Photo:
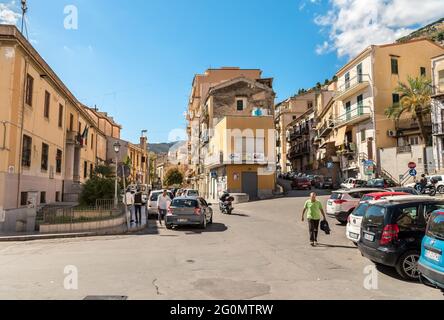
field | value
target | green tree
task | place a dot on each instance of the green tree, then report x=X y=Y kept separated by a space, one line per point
x=97 y=188
x=415 y=99
x=174 y=177
x=104 y=171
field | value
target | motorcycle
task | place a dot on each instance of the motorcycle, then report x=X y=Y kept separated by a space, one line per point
x=429 y=189
x=226 y=207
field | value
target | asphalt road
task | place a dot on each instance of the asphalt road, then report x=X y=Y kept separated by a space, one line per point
x=260 y=252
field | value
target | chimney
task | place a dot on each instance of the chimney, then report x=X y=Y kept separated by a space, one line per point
x=144 y=143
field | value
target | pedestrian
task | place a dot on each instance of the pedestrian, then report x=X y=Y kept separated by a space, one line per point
x=163 y=202
x=313 y=209
x=138 y=203
x=129 y=202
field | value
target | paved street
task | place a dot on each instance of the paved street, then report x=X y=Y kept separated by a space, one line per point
x=260 y=252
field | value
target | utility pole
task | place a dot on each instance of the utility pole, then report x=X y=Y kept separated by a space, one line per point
x=24 y=10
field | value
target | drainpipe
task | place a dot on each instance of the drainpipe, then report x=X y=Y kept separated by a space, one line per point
x=21 y=134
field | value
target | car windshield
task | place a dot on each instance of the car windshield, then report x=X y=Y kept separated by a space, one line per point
x=367 y=198
x=375 y=182
x=375 y=215
x=192 y=193
x=184 y=203
x=154 y=196
x=303 y=180
x=336 y=196
x=436 y=226
x=360 y=210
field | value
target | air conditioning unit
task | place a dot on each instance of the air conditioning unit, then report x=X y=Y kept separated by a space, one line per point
x=392 y=133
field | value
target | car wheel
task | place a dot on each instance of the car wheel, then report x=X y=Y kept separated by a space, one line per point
x=407 y=266
x=169 y=226
x=343 y=223
x=441 y=189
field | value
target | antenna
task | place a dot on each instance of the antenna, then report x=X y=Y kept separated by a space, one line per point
x=24 y=10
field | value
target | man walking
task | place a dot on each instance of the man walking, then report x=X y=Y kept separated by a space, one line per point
x=129 y=203
x=163 y=202
x=313 y=209
x=138 y=203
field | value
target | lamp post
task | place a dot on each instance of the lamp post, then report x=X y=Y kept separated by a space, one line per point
x=116 y=150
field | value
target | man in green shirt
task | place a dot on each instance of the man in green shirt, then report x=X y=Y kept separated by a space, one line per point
x=313 y=209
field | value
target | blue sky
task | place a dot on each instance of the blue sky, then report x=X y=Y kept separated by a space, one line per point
x=136 y=59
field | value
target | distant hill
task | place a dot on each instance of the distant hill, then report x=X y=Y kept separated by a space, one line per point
x=433 y=31
x=160 y=147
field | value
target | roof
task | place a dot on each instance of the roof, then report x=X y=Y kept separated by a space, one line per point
x=386 y=194
x=410 y=198
x=358 y=190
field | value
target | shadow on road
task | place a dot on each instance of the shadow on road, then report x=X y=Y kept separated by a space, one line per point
x=215 y=227
x=240 y=215
x=336 y=246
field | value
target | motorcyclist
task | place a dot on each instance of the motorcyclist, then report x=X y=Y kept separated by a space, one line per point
x=224 y=199
x=423 y=182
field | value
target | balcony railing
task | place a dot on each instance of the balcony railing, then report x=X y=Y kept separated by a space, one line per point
x=326 y=128
x=404 y=149
x=438 y=129
x=355 y=115
x=352 y=85
x=410 y=124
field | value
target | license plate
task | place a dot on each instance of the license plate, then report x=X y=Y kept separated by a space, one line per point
x=354 y=235
x=433 y=256
x=182 y=220
x=369 y=237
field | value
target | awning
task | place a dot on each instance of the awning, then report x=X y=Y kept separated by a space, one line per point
x=340 y=138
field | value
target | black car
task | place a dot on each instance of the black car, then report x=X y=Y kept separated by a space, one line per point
x=392 y=232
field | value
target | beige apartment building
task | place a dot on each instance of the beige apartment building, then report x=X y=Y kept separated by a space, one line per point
x=285 y=113
x=438 y=112
x=366 y=87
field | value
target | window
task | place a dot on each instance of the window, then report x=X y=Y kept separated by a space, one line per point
x=310 y=104
x=26 y=151
x=423 y=72
x=441 y=80
x=71 y=122
x=59 y=158
x=29 y=89
x=85 y=169
x=294 y=118
x=395 y=98
x=91 y=169
x=45 y=153
x=347 y=80
x=80 y=128
x=414 y=141
x=395 y=67
x=47 y=103
x=359 y=72
x=240 y=104
x=92 y=141
x=408 y=218
x=363 y=135
x=60 y=116
x=430 y=208
x=23 y=198
x=42 y=197
x=57 y=196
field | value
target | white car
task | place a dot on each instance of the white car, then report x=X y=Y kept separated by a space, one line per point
x=342 y=202
x=353 y=183
x=152 y=201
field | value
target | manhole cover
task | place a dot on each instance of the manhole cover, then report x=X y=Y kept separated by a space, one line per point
x=108 y=298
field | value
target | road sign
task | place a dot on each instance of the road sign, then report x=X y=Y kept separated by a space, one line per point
x=369 y=167
x=412 y=165
x=413 y=173
x=330 y=165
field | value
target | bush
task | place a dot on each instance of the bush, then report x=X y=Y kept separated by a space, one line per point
x=174 y=177
x=97 y=188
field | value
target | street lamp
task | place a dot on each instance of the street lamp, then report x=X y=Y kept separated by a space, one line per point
x=116 y=150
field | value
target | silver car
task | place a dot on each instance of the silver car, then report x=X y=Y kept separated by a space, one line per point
x=189 y=211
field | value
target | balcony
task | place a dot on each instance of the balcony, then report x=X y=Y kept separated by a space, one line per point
x=74 y=138
x=438 y=129
x=352 y=87
x=298 y=151
x=326 y=128
x=347 y=149
x=354 y=116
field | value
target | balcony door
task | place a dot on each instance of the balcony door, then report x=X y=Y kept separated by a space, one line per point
x=347 y=81
x=359 y=72
x=348 y=111
x=360 y=105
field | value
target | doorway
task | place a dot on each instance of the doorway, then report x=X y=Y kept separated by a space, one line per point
x=250 y=184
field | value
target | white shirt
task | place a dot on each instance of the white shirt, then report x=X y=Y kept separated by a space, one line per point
x=163 y=202
x=129 y=199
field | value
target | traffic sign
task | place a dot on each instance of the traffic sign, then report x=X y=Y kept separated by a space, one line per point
x=412 y=165
x=330 y=165
x=413 y=173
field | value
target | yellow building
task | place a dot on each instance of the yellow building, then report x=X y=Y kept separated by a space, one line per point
x=438 y=111
x=238 y=139
x=366 y=87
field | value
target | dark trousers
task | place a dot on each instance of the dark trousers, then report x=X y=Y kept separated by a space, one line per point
x=314 y=229
x=138 y=213
x=162 y=214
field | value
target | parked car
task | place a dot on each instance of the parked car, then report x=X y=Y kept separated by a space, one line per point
x=342 y=202
x=353 y=231
x=301 y=184
x=311 y=178
x=325 y=183
x=392 y=232
x=353 y=183
x=189 y=211
x=411 y=191
x=431 y=263
x=152 y=201
x=190 y=193
x=381 y=183
x=440 y=182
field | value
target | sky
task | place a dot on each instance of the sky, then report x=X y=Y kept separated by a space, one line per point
x=136 y=59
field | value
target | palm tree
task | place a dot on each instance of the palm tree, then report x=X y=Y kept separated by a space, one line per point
x=415 y=99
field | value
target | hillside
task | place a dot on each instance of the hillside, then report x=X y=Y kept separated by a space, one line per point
x=433 y=31
x=160 y=147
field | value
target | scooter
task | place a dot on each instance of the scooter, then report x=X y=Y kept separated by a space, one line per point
x=429 y=189
x=226 y=207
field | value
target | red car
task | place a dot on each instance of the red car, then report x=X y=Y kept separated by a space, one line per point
x=301 y=184
x=380 y=195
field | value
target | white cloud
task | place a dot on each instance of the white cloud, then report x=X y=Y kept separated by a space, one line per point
x=8 y=15
x=355 y=24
